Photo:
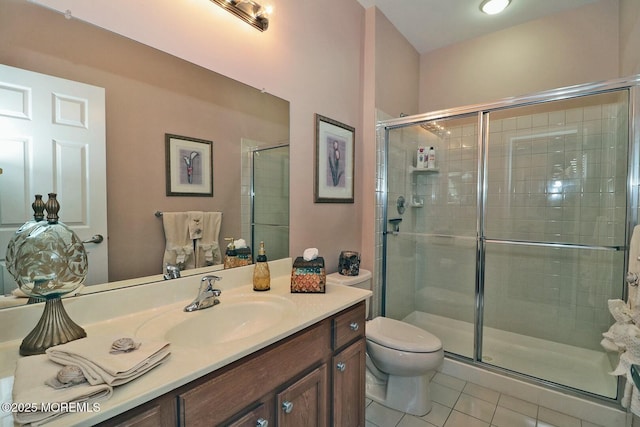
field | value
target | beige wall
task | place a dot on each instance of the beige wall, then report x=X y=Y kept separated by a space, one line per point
x=577 y=46
x=311 y=55
x=397 y=68
x=148 y=94
x=629 y=37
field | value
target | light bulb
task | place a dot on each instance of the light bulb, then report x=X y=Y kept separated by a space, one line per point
x=491 y=7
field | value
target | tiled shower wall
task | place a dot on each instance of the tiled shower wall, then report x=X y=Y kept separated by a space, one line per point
x=552 y=176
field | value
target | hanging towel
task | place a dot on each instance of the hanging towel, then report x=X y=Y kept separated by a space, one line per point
x=99 y=365
x=179 y=246
x=196 y=223
x=29 y=387
x=623 y=336
x=207 y=248
x=634 y=267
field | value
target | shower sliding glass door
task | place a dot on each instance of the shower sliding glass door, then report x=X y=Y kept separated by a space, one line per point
x=270 y=200
x=554 y=237
x=509 y=249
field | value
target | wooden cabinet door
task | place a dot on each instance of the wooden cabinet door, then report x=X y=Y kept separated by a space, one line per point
x=259 y=416
x=304 y=403
x=349 y=386
x=160 y=412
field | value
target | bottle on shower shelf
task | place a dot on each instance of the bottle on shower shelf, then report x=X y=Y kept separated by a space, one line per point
x=431 y=158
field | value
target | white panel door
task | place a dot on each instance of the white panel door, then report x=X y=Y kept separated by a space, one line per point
x=52 y=140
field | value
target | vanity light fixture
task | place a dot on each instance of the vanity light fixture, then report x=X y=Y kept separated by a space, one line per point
x=249 y=11
x=492 y=7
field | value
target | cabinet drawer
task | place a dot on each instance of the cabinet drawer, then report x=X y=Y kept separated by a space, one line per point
x=349 y=325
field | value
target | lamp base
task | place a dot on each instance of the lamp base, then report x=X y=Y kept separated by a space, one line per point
x=54 y=327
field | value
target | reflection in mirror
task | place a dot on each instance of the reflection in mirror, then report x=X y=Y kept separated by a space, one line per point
x=148 y=94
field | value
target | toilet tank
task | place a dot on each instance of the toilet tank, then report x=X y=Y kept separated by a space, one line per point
x=361 y=281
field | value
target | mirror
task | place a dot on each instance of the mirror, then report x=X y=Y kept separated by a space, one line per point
x=149 y=94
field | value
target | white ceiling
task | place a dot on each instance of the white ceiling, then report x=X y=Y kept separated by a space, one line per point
x=431 y=24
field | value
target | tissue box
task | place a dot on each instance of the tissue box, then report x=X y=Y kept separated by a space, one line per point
x=308 y=276
x=243 y=257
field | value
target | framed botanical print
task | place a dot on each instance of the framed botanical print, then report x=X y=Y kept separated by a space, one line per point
x=189 y=164
x=334 y=161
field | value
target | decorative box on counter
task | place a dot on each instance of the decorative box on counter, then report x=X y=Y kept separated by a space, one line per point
x=308 y=276
x=243 y=257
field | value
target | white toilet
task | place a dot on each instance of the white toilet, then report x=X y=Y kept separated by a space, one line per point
x=400 y=357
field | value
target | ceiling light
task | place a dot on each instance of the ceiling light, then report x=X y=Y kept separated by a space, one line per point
x=491 y=7
x=247 y=10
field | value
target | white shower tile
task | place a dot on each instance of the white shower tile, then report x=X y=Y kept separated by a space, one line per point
x=540 y=120
x=557 y=118
x=523 y=122
x=593 y=112
x=509 y=124
x=573 y=115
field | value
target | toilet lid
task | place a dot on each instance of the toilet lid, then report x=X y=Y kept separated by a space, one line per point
x=401 y=336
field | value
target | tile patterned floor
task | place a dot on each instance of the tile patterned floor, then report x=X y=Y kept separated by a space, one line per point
x=457 y=403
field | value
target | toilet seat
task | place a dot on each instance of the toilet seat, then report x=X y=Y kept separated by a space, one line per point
x=402 y=336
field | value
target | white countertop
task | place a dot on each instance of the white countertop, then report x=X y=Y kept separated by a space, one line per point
x=186 y=363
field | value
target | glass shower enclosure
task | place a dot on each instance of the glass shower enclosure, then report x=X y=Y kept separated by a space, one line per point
x=270 y=200
x=510 y=247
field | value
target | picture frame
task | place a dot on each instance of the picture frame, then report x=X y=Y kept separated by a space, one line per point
x=189 y=166
x=334 y=161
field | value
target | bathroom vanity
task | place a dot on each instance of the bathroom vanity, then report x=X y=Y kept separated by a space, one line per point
x=297 y=359
x=314 y=378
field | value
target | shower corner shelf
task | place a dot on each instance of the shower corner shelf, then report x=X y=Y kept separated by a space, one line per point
x=413 y=169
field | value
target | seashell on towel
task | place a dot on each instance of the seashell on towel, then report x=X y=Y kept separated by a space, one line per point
x=124 y=345
x=68 y=376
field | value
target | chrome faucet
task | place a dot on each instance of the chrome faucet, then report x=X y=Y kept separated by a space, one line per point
x=173 y=272
x=207 y=294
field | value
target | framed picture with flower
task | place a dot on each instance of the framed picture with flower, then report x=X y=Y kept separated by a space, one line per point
x=189 y=163
x=334 y=161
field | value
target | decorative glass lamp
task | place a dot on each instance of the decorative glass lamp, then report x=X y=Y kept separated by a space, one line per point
x=50 y=261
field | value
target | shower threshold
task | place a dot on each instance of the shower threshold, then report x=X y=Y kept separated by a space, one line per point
x=575 y=367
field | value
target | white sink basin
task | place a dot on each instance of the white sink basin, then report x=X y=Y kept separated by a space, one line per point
x=237 y=317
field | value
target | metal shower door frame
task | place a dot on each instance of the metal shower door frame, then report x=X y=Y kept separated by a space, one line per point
x=630 y=84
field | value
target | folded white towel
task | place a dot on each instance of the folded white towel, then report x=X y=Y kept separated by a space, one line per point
x=92 y=355
x=29 y=387
x=240 y=243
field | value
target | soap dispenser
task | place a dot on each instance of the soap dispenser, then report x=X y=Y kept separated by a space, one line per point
x=261 y=274
x=230 y=255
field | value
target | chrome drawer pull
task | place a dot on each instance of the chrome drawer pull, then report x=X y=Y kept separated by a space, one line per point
x=354 y=326
x=287 y=407
x=341 y=366
x=262 y=423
